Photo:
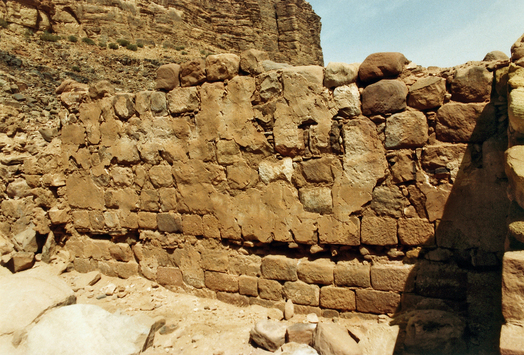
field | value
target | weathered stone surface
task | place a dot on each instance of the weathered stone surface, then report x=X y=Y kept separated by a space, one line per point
x=301 y=333
x=333 y=339
x=124 y=106
x=364 y=165
x=388 y=201
x=341 y=298
x=269 y=334
x=472 y=84
x=301 y=293
x=277 y=267
x=338 y=74
x=332 y=231
x=222 y=66
x=439 y=280
x=416 y=231
x=169 y=276
x=384 y=97
x=444 y=336
x=515 y=172
x=193 y=72
x=316 y=272
x=352 y=274
x=270 y=289
x=158 y=103
x=407 y=129
x=218 y=281
x=379 y=231
x=251 y=59
x=106 y=333
x=512 y=284
x=495 y=55
x=181 y=100
x=512 y=339
x=384 y=65
x=371 y=301
x=392 y=277
x=271 y=170
x=427 y=93
x=460 y=122
x=347 y=98
x=316 y=199
x=248 y=285
x=167 y=77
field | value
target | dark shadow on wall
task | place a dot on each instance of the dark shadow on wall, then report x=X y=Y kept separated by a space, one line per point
x=453 y=302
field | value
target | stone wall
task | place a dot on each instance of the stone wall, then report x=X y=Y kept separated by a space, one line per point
x=289 y=30
x=374 y=188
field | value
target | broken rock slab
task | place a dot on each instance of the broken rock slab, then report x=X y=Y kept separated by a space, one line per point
x=87 y=329
x=332 y=339
x=269 y=334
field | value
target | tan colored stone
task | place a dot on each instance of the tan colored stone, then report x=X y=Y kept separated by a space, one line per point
x=301 y=333
x=149 y=200
x=338 y=74
x=218 y=281
x=124 y=106
x=181 y=100
x=392 y=277
x=160 y=176
x=512 y=339
x=168 y=200
x=147 y=220
x=316 y=199
x=73 y=134
x=347 y=99
x=379 y=231
x=248 y=285
x=210 y=228
x=408 y=129
x=514 y=168
x=168 y=222
x=427 y=93
x=215 y=260
x=381 y=65
x=193 y=72
x=352 y=274
x=332 y=231
x=384 y=97
x=371 y=301
x=337 y=298
x=250 y=61
x=472 y=84
x=222 y=66
x=169 y=276
x=316 y=272
x=82 y=192
x=416 y=231
x=302 y=293
x=512 y=285
x=278 y=267
x=403 y=166
x=270 y=289
x=125 y=151
x=167 y=77
x=192 y=224
x=466 y=122
x=228 y=152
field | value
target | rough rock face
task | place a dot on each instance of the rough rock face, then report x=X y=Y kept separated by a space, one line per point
x=288 y=30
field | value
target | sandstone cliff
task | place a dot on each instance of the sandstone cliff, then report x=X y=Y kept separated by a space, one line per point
x=288 y=30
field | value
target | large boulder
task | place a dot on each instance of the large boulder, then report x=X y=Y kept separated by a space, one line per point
x=467 y=123
x=427 y=93
x=89 y=330
x=384 y=65
x=408 y=129
x=167 y=77
x=472 y=84
x=386 y=96
x=338 y=74
x=222 y=66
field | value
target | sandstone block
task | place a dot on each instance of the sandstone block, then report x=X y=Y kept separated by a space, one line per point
x=168 y=199
x=333 y=231
x=181 y=100
x=193 y=72
x=379 y=231
x=82 y=192
x=515 y=109
x=158 y=103
x=122 y=176
x=384 y=65
x=222 y=66
x=192 y=224
x=233 y=298
x=215 y=260
x=167 y=77
x=21 y=260
x=149 y=200
x=58 y=216
x=313 y=74
x=427 y=93
x=210 y=227
x=388 y=201
x=512 y=339
x=302 y=293
x=269 y=334
x=73 y=134
x=124 y=106
x=331 y=338
x=228 y=152
x=472 y=84
x=126 y=270
x=347 y=99
x=270 y=85
x=125 y=151
x=160 y=176
x=167 y=222
x=316 y=199
x=81 y=220
x=352 y=275
x=147 y=220
x=515 y=173
x=318 y=170
x=403 y=166
x=270 y=289
x=416 y=231
x=408 y=129
x=439 y=280
x=278 y=267
x=251 y=59
x=111 y=220
x=270 y=170
x=466 y=122
x=337 y=298
x=338 y=74
x=386 y=96
x=143 y=103
x=392 y=277
x=301 y=333
x=121 y=252
x=128 y=219
x=371 y=301
x=248 y=285
x=512 y=285
x=316 y=272
x=218 y=281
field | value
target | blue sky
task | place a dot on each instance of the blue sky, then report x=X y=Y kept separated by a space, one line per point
x=443 y=33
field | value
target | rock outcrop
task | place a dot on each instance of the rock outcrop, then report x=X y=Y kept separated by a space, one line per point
x=288 y=30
